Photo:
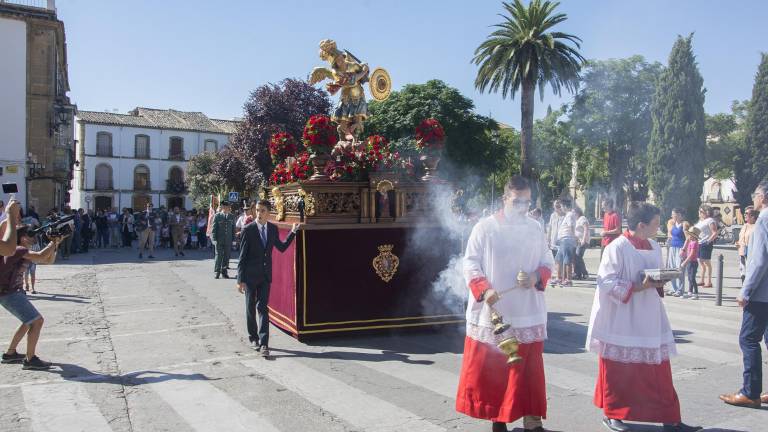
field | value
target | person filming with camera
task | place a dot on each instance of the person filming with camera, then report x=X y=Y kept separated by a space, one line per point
x=14 y=299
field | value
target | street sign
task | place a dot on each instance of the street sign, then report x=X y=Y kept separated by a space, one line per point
x=234 y=197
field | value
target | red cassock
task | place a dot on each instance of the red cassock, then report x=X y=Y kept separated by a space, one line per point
x=637 y=392
x=630 y=332
x=491 y=389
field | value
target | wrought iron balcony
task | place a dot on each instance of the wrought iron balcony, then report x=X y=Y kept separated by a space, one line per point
x=142 y=186
x=176 y=187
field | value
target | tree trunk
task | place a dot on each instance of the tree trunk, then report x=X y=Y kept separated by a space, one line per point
x=526 y=135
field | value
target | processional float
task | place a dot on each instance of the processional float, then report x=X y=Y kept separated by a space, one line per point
x=370 y=246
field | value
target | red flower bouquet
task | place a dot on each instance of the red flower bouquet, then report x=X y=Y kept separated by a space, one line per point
x=301 y=169
x=377 y=151
x=430 y=135
x=280 y=175
x=281 y=146
x=319 y=135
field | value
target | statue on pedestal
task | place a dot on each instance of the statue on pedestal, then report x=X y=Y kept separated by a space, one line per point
x=348 y=74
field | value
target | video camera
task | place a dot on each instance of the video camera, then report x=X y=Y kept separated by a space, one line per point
x=57 y=227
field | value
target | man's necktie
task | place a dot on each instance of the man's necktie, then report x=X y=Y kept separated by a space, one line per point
x=264 y=235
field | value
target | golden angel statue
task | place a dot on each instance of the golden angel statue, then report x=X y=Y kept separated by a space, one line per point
x=348 y=74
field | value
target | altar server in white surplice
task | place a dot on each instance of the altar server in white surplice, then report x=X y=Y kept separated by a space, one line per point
x=500 y=247
x=630 y=332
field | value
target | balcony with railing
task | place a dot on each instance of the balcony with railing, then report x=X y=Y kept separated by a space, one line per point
x=104 y=184
x=49 y=5
x=177 y=156
x=142 y=185
x=176 y=187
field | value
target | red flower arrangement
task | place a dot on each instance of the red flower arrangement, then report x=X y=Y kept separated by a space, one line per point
x=301 y=168
x=281 y=146
x=377 y=151
x=319 y=135
x=430 y=135
x=280 y=175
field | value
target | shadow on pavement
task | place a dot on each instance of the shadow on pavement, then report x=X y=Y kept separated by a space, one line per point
x=640 y=427
x=354 y=356
x=448 y=339
x=125 y=255
x=42 y=296
x=570 y=336
x=71 y=372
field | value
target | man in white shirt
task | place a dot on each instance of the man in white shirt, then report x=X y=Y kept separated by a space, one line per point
x=553 y=227
x=566 y=238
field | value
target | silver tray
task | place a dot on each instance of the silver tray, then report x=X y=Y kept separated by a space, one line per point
x=662 y=275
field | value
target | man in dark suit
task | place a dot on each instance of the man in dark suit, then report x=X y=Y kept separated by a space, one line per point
x=254 y=272
x=754 y=301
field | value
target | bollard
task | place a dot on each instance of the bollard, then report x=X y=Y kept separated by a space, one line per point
x=719 y=299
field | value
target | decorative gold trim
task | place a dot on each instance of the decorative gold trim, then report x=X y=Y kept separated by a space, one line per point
x=273 y=311
x=380 y=327
x=283 y=323
x=279 y=203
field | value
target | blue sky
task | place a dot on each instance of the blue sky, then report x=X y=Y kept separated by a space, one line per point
x=208 y=55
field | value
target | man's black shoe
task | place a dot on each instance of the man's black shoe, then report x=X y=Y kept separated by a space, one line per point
x=615 y=425
x=13 y=358
x=499 y=427
x=681 y=427
x=217 y=275
x=225 y=275
x=182 y=253
x=150 y=257
x=140 y=257
x=36 y=364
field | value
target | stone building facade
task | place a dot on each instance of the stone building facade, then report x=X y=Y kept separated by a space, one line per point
x=36 y=117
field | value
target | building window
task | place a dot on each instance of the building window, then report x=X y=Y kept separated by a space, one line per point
x=141 y=178
x=104 y=144
x=103 y=177
x=176 y=174
x=211 y=146
x=176 y=149
x=142 y=147
x=176 y=181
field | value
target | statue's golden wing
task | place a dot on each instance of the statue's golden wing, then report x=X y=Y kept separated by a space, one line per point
x=380 y=84
x=318 y=74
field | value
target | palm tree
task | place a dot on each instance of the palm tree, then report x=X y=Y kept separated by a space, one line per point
x=521 y=53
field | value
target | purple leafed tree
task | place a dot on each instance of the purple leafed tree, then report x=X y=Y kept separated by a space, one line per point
x=271 y=108
x=230 y=166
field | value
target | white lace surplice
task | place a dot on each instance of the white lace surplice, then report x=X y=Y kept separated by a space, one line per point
x=498 y=249
x=626 y=326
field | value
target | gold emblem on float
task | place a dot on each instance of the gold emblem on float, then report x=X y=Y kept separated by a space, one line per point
x=385 y=263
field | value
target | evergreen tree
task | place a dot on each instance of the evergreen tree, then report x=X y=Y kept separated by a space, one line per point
x=678 y=141
x=750 y=159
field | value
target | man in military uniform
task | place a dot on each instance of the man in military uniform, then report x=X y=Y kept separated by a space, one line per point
x=221 y=235
x=144 y=224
